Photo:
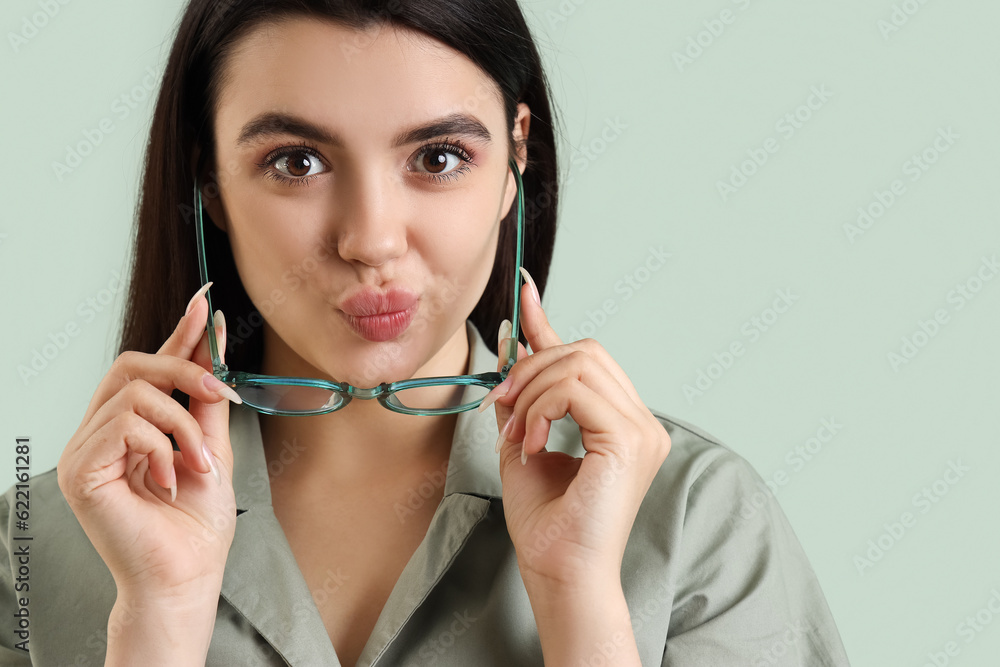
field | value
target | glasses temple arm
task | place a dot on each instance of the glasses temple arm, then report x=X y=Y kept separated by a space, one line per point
x=213 y=345
x=511 y=351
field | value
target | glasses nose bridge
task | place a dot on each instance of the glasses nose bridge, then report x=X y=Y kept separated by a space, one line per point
x=366 y=394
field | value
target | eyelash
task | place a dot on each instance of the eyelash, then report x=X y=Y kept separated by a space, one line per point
x=454 y=147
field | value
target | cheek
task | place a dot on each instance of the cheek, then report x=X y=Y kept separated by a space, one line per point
x=464 y=259
x=273 y=260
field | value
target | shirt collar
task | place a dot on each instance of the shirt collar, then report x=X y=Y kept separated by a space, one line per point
x=473 y=467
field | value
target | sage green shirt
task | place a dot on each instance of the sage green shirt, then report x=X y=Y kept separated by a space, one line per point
x=713 y=573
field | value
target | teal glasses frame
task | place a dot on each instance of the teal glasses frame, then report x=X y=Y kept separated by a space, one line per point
x=384 y=393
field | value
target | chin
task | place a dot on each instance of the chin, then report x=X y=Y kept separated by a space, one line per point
x=379 y=369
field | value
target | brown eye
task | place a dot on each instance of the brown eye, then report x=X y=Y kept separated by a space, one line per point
x=298 y=164
x=441 y=161
x=438 y=161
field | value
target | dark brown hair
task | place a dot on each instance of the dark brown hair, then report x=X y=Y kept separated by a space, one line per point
x=491 y=33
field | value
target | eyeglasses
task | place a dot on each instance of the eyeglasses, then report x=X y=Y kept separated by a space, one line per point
x=297 y=396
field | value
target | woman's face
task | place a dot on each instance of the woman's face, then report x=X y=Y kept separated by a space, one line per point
x=360 y=172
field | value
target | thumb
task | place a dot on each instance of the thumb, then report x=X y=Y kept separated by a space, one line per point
x=504 y=412
x=213 y=417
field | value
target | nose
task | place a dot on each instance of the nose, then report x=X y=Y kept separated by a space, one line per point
x=370 y=223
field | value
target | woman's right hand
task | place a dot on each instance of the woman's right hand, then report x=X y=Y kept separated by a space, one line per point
x=117 y=470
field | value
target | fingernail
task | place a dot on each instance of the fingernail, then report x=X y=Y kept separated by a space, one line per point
x=204 y=288
x=213 y=383
x=210 y=460
x=504 y=332
x=534 y=288
x=524 y=455
x=219 y=322
x=173 y=485
x=503 y=432
x=498 y=391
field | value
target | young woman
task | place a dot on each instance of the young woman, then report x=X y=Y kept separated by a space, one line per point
x=361 y=170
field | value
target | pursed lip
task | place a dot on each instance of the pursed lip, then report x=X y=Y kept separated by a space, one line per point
x=367 y=302
x=379 y=316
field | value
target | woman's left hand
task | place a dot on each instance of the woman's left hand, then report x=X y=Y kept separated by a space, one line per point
x=569 y=518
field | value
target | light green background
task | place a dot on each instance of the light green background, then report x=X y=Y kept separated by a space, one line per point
x=655 y=185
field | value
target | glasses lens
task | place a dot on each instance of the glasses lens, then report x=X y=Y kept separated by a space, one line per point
x=440 y=397
x=288 y=397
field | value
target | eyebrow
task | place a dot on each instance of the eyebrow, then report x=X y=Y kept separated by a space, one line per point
x=272 y=123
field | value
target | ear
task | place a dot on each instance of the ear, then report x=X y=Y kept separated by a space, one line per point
x=522 y=123
x=210 y=195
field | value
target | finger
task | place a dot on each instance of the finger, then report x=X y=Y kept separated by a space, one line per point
x=503 y=336
x=577 y=366
x=525 y=371
x=214 y=416
x=164 y=372
x=534 y=323
x=162 y=412
x=180 y=344
x=202 y=353
x=192 y=324
x=104 y=457
x=504 y=412
x=588 y=408
x=140 y=481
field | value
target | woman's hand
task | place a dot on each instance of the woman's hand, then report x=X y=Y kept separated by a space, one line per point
x=569 y=518
x=119 y=472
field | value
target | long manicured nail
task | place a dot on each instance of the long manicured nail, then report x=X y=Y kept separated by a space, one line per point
x=534 y=288
x=210 y=460
x=524 y=455
x=213 y=383
x=204 y=288
x=498 y=391
x=504 y=332
x=503 y=432
x=219 y=322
